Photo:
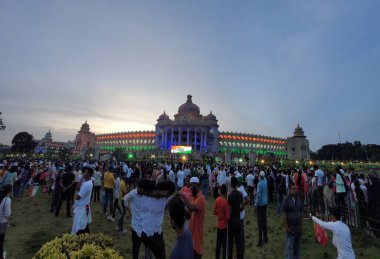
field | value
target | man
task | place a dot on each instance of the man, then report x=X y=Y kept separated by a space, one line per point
x=109 y=184
x=235 y=200
x=222 y=210
x=280 y=183
x=197 y=209
x=187 y=190
x=261 y=208
x=82 y=210
x=180 y=179
x=183 y=247
x=242 y=213
x=292 y=211
x=66 y=183
x=320 y=175
x=222 y=175
x=148 y=207
x=250 y=179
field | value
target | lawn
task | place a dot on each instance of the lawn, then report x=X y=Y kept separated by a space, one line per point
x=32 y=225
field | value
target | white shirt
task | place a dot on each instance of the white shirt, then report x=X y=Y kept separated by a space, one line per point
x=78 y=176
x=222 y=177
x=180 y=178
x=187 y=172
x=172 y=176
x=5 y=209
x=147 y=212
x=84 y=193
x=341 y=237
x=125 y=168
x=250 y=180
x=319 y=174
x=117 y=188
x=244 y=193
x=97 y=178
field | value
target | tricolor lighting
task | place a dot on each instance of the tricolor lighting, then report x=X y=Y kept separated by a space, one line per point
x=181 y=149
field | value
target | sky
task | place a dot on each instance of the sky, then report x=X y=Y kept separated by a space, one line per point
x=261 y=67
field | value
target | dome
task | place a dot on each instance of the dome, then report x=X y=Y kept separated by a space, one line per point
x=210 y=117
x=188 y=111
x=85 y=127
x=163 y=116
x=298 y=132
x=189 y=107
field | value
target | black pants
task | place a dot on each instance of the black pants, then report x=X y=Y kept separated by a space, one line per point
x=66 y=195
x=83 y=231
x=321 y=203
x=155 y=243
x=262 y=223
x=221 y=242
x=2 y=236
x=116 y=206
x=54 y=200
x=96 y=193
x=196 y=255
x=233 y=236
x=109 y=199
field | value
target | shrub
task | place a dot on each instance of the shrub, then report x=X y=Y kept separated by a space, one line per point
x=82 y=246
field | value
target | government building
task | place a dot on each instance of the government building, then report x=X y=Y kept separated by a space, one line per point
x=191 y=129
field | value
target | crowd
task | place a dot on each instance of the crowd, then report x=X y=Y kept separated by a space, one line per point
x=144 y=191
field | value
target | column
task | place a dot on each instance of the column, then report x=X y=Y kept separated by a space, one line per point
x=162 y=138
x=166 y=139
x=195 y=139
x=205 y=140
x=179 y=136
x=171 y=142
x=201 y=143
x=187 y=143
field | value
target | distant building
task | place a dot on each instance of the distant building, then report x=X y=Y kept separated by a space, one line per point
x=47 y=143
x=190 y=128
x=298 y=145
x=84 y=141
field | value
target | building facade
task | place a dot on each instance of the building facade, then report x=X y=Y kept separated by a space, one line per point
x=85 y=141
x=190 y=128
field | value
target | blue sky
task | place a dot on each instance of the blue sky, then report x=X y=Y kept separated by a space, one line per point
x=260 y=66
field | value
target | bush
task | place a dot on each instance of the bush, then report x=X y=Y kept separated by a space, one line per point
x=82 y=246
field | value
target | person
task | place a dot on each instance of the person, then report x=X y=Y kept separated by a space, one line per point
x=116 y=194
x=109 y=184
x=341 y=234
x=180 y=178
x=172 y=175
x=280 y=183
x=197 y=208
x=147 y=205
x=341 y=188
x=242 y=213
x=82 y=209
x=235 y=200
x=183 y=247
x=5 y=213
x=186 y=189
x=292 y=211
x=78 y=176
x=261 y=208
x=222 y=175
x=97 y=184
x=250 y=179
x=320 y=177
x=222 y=210
x=123 y=192
x=66 y=183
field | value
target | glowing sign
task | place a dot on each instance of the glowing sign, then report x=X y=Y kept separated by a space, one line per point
x=181 y=149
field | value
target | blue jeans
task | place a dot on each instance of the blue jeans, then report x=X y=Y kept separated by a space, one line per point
x=293 y=246
x=280 y=199
x=108 y=199
x=121 y=220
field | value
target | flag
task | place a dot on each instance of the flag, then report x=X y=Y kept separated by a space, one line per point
x=34 y=191
x=321 y=236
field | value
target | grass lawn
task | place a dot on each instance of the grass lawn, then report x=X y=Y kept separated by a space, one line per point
x=32 y=225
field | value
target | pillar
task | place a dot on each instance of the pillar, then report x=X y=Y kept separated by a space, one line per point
x=201 y=143
x=195 y=139
x=179 y=137
x=227 y=157
x=187 y=137
x=171 y=142
x=205 y=140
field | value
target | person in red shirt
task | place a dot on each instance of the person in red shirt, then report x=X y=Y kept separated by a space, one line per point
x=186 y=189
x=197 y=208
x=222 y=210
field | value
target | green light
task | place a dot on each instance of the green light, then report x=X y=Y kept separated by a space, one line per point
x=130 y=156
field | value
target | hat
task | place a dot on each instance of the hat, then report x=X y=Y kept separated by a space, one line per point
x=194 y=180
x=262 y=174
x=312 y=169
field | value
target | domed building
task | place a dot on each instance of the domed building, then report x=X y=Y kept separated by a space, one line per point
x=189 y=128
x=298 y=145
x=84 y=140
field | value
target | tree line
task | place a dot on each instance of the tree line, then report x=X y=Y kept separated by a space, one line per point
x=348 y=152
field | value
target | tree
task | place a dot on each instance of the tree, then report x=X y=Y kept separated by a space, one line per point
x=2 y=126
x=23 y=142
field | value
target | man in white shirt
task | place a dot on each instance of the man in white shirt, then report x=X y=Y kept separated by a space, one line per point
x=82 y=210
x=222 y=175
x=250 y=179
x=319 y=174
x=147 y=217
x=180 y=179
x=172 y=176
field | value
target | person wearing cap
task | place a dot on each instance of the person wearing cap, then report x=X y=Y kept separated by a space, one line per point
x=261 y=208
x=196 y=207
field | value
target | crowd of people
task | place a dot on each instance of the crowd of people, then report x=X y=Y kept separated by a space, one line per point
x=144 y=191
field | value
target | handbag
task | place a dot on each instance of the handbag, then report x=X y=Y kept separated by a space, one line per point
x=3 y=225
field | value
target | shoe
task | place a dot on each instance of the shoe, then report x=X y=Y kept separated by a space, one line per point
x=117 y=228
x=123 y=232
x=259 y=244
x=110 y=218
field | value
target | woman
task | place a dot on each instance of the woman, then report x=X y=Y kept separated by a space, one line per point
x=341 y=234
x=5 y=213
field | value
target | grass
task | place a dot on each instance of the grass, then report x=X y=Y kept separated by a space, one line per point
x=32 y=225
